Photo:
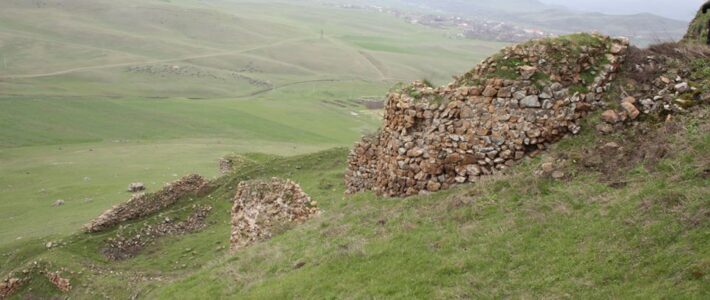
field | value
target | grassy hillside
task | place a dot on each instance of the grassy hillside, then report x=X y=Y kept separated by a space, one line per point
x=636 y=229
x=98 y=94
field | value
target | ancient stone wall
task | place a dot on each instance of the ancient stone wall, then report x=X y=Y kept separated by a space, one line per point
x=263 y=206
x=511 y=105
x=142 y=205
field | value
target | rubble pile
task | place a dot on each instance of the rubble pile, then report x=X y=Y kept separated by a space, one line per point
x=141 y=205
x=9 y=286
x=226 y=165
x=663 y=80
x=63 y=284
x=511 y=105
x=122 y=247
x=263 y=206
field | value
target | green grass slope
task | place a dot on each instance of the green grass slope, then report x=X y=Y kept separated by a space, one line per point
x=637 y=229
x=97 y=94
x=698 y=29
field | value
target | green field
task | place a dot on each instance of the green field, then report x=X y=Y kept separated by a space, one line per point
x=95 y=95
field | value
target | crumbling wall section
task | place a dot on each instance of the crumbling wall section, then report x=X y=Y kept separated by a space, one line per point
x=511 y=105
x=261 y=207
x=142 y=205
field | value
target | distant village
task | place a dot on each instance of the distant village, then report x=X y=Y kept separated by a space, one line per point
x=480 y=29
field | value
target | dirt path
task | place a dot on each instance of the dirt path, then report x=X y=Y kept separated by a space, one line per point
x=107 y=66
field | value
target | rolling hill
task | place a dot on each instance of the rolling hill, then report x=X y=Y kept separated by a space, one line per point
x=98 y=94
x=643 y=29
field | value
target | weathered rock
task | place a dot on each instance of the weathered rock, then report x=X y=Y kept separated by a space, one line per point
x=141 y=205
x=226 y=165
x=629 y=99
x=57 y=203
x=433 y=186
x=610 y=116
x=682 y=87
x=532 y=101
x=136 y=187
x=63 y=284
x=631 y=110
x=490 y=91
x=263 y=206
x=9 y=286
x=548 y=167
x=605 y=128
x=558 y=175
x=526 y=72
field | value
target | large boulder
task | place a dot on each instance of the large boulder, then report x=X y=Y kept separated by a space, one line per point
x=262 y=207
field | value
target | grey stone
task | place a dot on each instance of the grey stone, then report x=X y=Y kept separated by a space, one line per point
x=531 y=101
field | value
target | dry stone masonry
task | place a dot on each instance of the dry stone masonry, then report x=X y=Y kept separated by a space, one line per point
x=511 y=105
x=141 y=205
x=263 y=206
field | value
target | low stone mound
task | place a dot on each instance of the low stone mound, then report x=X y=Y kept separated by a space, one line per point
x=513 y=104
x=142 y=205
x=9 y=286
x=62 y=284
x=226 y=165
x=124 y=247
x=263 y=206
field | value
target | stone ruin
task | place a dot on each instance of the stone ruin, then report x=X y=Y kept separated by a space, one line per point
x=226 y=165
x=141 y=205
x=512 y=105
x=123 y=247
x=263 y=206
x=9 y=286
x=62 y=284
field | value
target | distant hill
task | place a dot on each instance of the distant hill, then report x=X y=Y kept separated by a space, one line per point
x=643 y=29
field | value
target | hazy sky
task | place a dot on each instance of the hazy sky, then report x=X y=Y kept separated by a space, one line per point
x=676 y=9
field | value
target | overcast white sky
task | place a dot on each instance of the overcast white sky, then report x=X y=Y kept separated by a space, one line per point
x=676 y=9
